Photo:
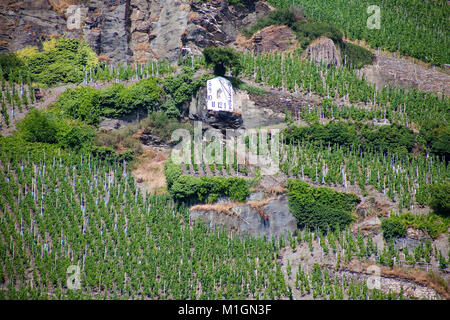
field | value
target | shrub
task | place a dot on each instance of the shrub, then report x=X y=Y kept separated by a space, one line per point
x=81 y=103
x=436 y=138
x=283 y=16
x=88 y=104
x=79 y=137
x=185 y=188
x=431 y=223
x=62 y=61
x=440 y=197
x=393 y=138
x=314 y=30
x=222 y=58
x=10 y=64
x=393 y=228
x=37 y=127
x=320 y=207
x=144 y=95
x=356 y=56
x=172 y=172
x=190 y=189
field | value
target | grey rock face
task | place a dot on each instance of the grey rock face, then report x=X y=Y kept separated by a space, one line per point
x=215 y=23
x=247 y=113
x=126 y=30
x=246 y=220
x=323 y=50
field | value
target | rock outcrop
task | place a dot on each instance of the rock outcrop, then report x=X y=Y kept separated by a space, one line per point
x=323 y=50
x=215 y=23
x=272 y=219
x=250 y=110
x=405 y=73
x=126 y=30
x=269 y=39
x=198 y=111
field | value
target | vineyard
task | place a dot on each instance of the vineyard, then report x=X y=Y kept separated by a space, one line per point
x=73 y=209
x=362 y=100
x=362 y=173
x=413 y=28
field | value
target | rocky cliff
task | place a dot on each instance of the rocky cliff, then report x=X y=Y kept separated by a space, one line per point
x=126 y=30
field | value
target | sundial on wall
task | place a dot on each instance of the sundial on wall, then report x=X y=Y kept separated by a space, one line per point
x=219 y=94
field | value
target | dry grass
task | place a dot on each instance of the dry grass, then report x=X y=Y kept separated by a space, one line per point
x=257 y=205
x=277 y=190
x=260 y=203
x=61 y=6
x=224 y=208
x=421 y=277
x=427 y=279
x=149 y=170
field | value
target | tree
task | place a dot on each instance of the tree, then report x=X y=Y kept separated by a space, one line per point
x=221 y=59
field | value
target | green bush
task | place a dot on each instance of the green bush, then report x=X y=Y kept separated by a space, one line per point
x=37 y=127
x=394 y=138
x=144 y=95
x=79 y=137
x=314 y=30
x=356 y=56
x=81 y=103
x=433 y=224
x=110 y=100
x=440 y=198
x=284 y=16
x=10 y=64
x=435 y=136
x=191 y=189
x=172 y=172
x=320 y=207
x=393 y=228
x=87 y=104
x=222 y=58
x=62 y=61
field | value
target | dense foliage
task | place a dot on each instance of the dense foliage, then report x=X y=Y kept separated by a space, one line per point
x=320 y=207
x=436 y=138
x=221 y=59
x=393 y=228
x=432 y=224
x=180 y=89
x=394 y=138
x=192 y=189
x=440 y=197
x=88 y=104
x=61 y=61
